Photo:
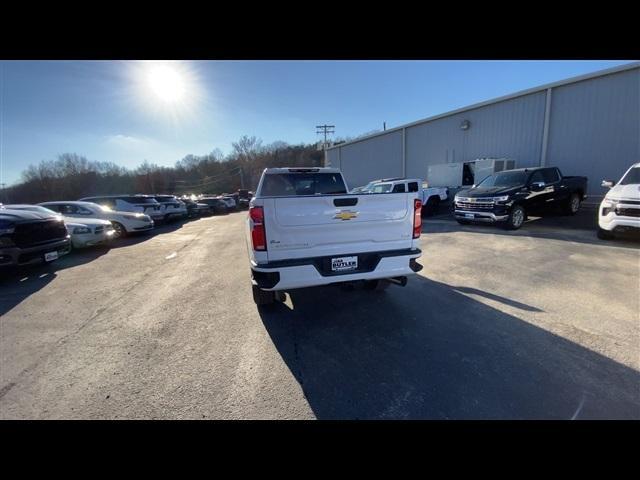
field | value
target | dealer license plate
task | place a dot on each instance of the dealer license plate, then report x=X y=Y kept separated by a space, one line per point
x=469 y=215
x=342 y=264
x=50 y=256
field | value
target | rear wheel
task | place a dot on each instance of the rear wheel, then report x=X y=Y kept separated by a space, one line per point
x=517 y=216
x=119 y=229
x=573 y=204
x=431 y=207
x=263 y=297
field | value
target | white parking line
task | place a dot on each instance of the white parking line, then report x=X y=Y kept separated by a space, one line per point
x=173 y=255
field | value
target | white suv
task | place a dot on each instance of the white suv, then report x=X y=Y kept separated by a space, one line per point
x=123 y=222
x=172 y=207
x=130 y=203
x=620 y=208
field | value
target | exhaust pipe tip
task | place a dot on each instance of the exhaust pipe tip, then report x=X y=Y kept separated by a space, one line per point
x=401 y=281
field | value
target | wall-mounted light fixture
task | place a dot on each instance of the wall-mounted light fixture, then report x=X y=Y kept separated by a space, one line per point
x=465 y=125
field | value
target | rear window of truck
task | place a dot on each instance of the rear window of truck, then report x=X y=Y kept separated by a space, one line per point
x=300 y=184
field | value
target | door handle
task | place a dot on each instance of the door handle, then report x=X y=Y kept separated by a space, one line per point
x=345 y=202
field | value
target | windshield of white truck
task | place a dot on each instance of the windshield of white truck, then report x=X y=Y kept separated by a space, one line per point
x=504 y=179
x=300 y=184
x=632 y=177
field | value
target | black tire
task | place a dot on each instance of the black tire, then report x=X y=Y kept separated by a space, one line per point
x=604 y=234
x=431 y=207
x=377 y=285
x=263 y=297
x=120 y=231
x=573 y=204
x=517 y=217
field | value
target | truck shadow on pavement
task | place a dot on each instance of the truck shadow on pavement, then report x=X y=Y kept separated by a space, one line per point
x=427 y=351
x=17 y=285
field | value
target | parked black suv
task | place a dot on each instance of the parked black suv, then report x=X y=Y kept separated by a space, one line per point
x=215 y=205
x=28 y=237
x=509 y=196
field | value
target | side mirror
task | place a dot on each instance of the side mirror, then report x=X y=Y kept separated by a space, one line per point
x=537 y=186
x=608 y=183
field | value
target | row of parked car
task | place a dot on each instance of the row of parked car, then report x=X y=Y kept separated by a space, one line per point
x=508 y=197
x=46 y=231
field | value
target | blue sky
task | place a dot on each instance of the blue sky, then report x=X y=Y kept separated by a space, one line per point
x=109 y=110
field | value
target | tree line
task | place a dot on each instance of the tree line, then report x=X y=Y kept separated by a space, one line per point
x=71 y=176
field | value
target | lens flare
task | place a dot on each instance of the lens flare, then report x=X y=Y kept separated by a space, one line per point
x=167 y=83
x=169 y=91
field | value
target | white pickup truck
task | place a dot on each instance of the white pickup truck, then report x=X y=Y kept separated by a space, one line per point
x=431 y=196
x=304 y=230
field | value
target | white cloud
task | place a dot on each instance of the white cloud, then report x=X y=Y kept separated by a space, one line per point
x=126 y=141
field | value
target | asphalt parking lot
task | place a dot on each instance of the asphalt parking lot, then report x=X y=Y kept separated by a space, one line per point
x=541 y=323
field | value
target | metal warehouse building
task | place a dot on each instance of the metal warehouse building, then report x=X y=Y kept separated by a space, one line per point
x=587 y=125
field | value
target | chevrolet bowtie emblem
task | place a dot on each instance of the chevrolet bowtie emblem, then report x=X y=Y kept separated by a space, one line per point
x=345 y=215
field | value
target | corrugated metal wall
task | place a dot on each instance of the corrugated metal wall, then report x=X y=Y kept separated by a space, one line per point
x=594 y=130
x=510 y=129
x=594 y=127
x=377 y=157
x=332 y=158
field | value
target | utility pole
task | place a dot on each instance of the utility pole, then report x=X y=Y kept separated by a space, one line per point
x=241 y=179
x=325 y=129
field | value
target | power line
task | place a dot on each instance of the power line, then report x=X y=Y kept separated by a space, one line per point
x=325 y=129
x=215 y=179
x=209 y=180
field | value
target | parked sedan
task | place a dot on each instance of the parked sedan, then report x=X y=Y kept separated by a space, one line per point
x=90 y=232
x=123 y=223
x=87 y=232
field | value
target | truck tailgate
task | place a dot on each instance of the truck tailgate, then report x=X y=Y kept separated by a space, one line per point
x=302 y=227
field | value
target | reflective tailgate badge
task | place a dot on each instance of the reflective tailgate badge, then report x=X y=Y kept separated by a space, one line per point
x=345 y=215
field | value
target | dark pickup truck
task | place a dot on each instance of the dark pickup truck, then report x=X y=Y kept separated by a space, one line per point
x=509 y=196
x=28 y=237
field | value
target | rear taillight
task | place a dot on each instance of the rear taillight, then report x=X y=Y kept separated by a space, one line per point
x=417 y=218
x=258 y=234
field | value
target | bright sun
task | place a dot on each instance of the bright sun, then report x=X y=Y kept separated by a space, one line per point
x=169 y=90
x=167 y=83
